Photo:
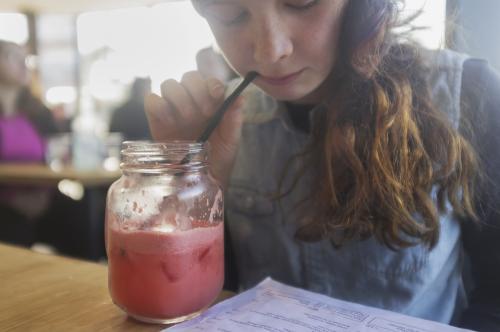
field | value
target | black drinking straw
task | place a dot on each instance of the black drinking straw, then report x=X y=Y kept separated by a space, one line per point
x=214 y=121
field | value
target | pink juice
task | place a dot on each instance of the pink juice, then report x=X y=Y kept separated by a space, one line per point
x=160 y=276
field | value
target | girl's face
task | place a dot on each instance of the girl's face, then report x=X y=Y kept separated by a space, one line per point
x=290 y=43
x=13 y=71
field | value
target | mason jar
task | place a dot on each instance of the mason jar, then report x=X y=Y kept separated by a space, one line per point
x=164 y=232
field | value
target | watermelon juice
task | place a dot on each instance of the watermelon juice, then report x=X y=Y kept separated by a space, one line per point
x=165 y=277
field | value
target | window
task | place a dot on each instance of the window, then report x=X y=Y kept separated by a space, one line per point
x=14 y=27
x=118 y=45
x=432 y=21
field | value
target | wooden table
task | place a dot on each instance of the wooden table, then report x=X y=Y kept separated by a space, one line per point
x=51 y=293
x=41 y=174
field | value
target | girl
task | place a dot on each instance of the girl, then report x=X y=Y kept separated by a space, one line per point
x=351 y=166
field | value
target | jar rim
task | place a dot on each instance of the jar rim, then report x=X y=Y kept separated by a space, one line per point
x=167 y=145
x=155 y=156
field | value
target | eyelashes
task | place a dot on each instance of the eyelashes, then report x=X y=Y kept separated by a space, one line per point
x=230 y=14
x=302 y=5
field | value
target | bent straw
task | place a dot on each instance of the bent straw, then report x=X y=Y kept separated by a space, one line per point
x=217 y=117
x=214 y=121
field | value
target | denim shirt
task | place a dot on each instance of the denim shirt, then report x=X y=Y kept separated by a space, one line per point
x=414 y=281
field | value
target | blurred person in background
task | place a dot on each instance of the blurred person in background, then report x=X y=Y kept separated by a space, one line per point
x=129 y=119
x=24 y=124
x=24 y=120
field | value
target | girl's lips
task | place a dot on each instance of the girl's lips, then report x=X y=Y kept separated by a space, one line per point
x=283 y=80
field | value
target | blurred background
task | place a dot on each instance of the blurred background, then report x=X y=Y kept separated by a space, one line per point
x=91 y=63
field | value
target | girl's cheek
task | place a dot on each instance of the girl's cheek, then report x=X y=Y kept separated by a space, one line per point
x=238 y=55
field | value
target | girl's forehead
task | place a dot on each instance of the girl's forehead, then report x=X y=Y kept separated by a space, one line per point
x=202 y=3
x=208 y=2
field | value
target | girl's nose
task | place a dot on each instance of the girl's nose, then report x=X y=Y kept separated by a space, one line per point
x=271 y=43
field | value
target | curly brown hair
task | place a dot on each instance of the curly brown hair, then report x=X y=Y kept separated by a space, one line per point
x=381 y=149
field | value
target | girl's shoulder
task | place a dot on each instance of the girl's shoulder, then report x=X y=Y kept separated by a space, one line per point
x=444 y=78
x=444 y=59
x=471 y=82
x=480 y=98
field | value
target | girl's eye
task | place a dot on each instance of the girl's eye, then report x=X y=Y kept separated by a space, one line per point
x=301 y=4
x=227 y=14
